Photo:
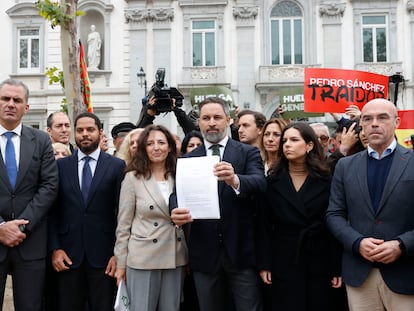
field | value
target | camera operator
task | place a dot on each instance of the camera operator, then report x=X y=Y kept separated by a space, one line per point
x=149 y=112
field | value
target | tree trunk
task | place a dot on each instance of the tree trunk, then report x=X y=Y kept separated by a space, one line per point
x=70 y=61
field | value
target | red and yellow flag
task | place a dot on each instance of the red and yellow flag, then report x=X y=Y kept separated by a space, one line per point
x=84 y=79
x=406 y=128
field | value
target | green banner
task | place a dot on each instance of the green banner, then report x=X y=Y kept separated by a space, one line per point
x=292 y=102
x=198 y=94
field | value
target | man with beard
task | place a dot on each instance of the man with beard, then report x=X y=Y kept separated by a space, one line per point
x=222 y=252
x=83 y=221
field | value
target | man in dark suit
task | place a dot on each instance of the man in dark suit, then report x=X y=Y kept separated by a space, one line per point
x=59 y=129
x=222 y=252
x=28 y=186
x=83 y=222
x=371 y=213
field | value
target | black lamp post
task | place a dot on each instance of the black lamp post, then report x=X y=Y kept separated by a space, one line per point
x=396 y=79
x=141 y=79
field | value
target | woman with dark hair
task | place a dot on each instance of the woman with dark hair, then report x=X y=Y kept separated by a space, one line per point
x=298 y=257
x=150 y=252
x=191 y=141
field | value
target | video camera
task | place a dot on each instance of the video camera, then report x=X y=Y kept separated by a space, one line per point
x=164 y=94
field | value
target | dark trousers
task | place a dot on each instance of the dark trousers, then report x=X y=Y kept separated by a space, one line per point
x=190 y=302
x=50 y=299
x=85 y=284
x=242 y=285
x=28 y=277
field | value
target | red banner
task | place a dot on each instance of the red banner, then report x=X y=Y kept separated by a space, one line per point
x=333 y=90
x=84 y=79
x=406 y=128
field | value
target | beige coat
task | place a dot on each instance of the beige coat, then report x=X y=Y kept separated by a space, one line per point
x=146 y=238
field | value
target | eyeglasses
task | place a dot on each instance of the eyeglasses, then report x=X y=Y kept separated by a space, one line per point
x=323 y=138
x=382 y=118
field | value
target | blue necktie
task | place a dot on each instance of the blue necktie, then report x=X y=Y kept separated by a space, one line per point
x=11 y=164
x=86 y=178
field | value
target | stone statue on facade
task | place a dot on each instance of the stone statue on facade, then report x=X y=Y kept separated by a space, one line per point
x=94 y=48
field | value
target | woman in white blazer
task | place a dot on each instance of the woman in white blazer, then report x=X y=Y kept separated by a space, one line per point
x=150 y=250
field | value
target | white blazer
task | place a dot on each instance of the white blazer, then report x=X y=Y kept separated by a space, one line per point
x=146 y=238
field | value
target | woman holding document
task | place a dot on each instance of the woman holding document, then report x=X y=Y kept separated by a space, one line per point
x=150 y=250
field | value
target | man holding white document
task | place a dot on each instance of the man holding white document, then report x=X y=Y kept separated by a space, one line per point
x=221 y=249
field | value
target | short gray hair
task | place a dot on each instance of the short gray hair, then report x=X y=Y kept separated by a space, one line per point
x=322 y=125
x=16 y=83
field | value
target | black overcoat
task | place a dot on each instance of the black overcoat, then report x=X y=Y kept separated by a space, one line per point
x=296 y=246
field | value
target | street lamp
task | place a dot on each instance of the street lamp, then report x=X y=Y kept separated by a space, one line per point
x=141 y=79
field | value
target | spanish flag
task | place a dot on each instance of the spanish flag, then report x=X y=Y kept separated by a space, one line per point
x=406 y=128
x=84 y=79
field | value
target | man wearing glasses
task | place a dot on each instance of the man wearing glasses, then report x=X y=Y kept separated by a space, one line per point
x=322 y=132
x=371 y=213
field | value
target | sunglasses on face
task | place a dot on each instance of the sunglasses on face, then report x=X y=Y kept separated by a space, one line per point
x=323 y=138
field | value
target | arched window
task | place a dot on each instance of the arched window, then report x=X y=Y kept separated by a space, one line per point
x=286 y=31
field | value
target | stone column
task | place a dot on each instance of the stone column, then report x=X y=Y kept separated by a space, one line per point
x=247 y=42
x=136 y=18
x=331 y=14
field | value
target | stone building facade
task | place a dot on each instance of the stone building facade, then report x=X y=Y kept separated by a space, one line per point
x=254 y=47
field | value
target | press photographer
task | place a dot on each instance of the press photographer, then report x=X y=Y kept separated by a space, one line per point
x=162 y=98
x=163 y=94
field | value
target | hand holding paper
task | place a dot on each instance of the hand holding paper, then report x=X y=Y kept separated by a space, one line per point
x=180 y=216
x=225 y=172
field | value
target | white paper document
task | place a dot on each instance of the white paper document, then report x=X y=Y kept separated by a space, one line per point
x=197 y=187
x=122 y=300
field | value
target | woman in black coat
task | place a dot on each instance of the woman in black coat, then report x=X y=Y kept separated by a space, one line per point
x=298 y=257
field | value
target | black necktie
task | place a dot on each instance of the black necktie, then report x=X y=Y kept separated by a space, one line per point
x=216 y=150
x=86 y=178
x=11 y=164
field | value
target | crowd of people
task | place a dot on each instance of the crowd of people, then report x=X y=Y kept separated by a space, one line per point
x=308 y=220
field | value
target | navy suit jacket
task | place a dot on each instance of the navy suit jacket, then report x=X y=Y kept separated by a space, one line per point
x=350 y=216
x=235 y=230
x=87 y=229
x=34 y=192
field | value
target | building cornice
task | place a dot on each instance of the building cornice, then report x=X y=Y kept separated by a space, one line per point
x=148 y=15
x=332 y=9
x=245 y=12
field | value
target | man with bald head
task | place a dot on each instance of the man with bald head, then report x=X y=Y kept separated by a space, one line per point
x=371 y=213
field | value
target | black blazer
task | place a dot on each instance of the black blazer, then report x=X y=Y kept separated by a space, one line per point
x=87 y=229
x=34 y=193
x=235 y=229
